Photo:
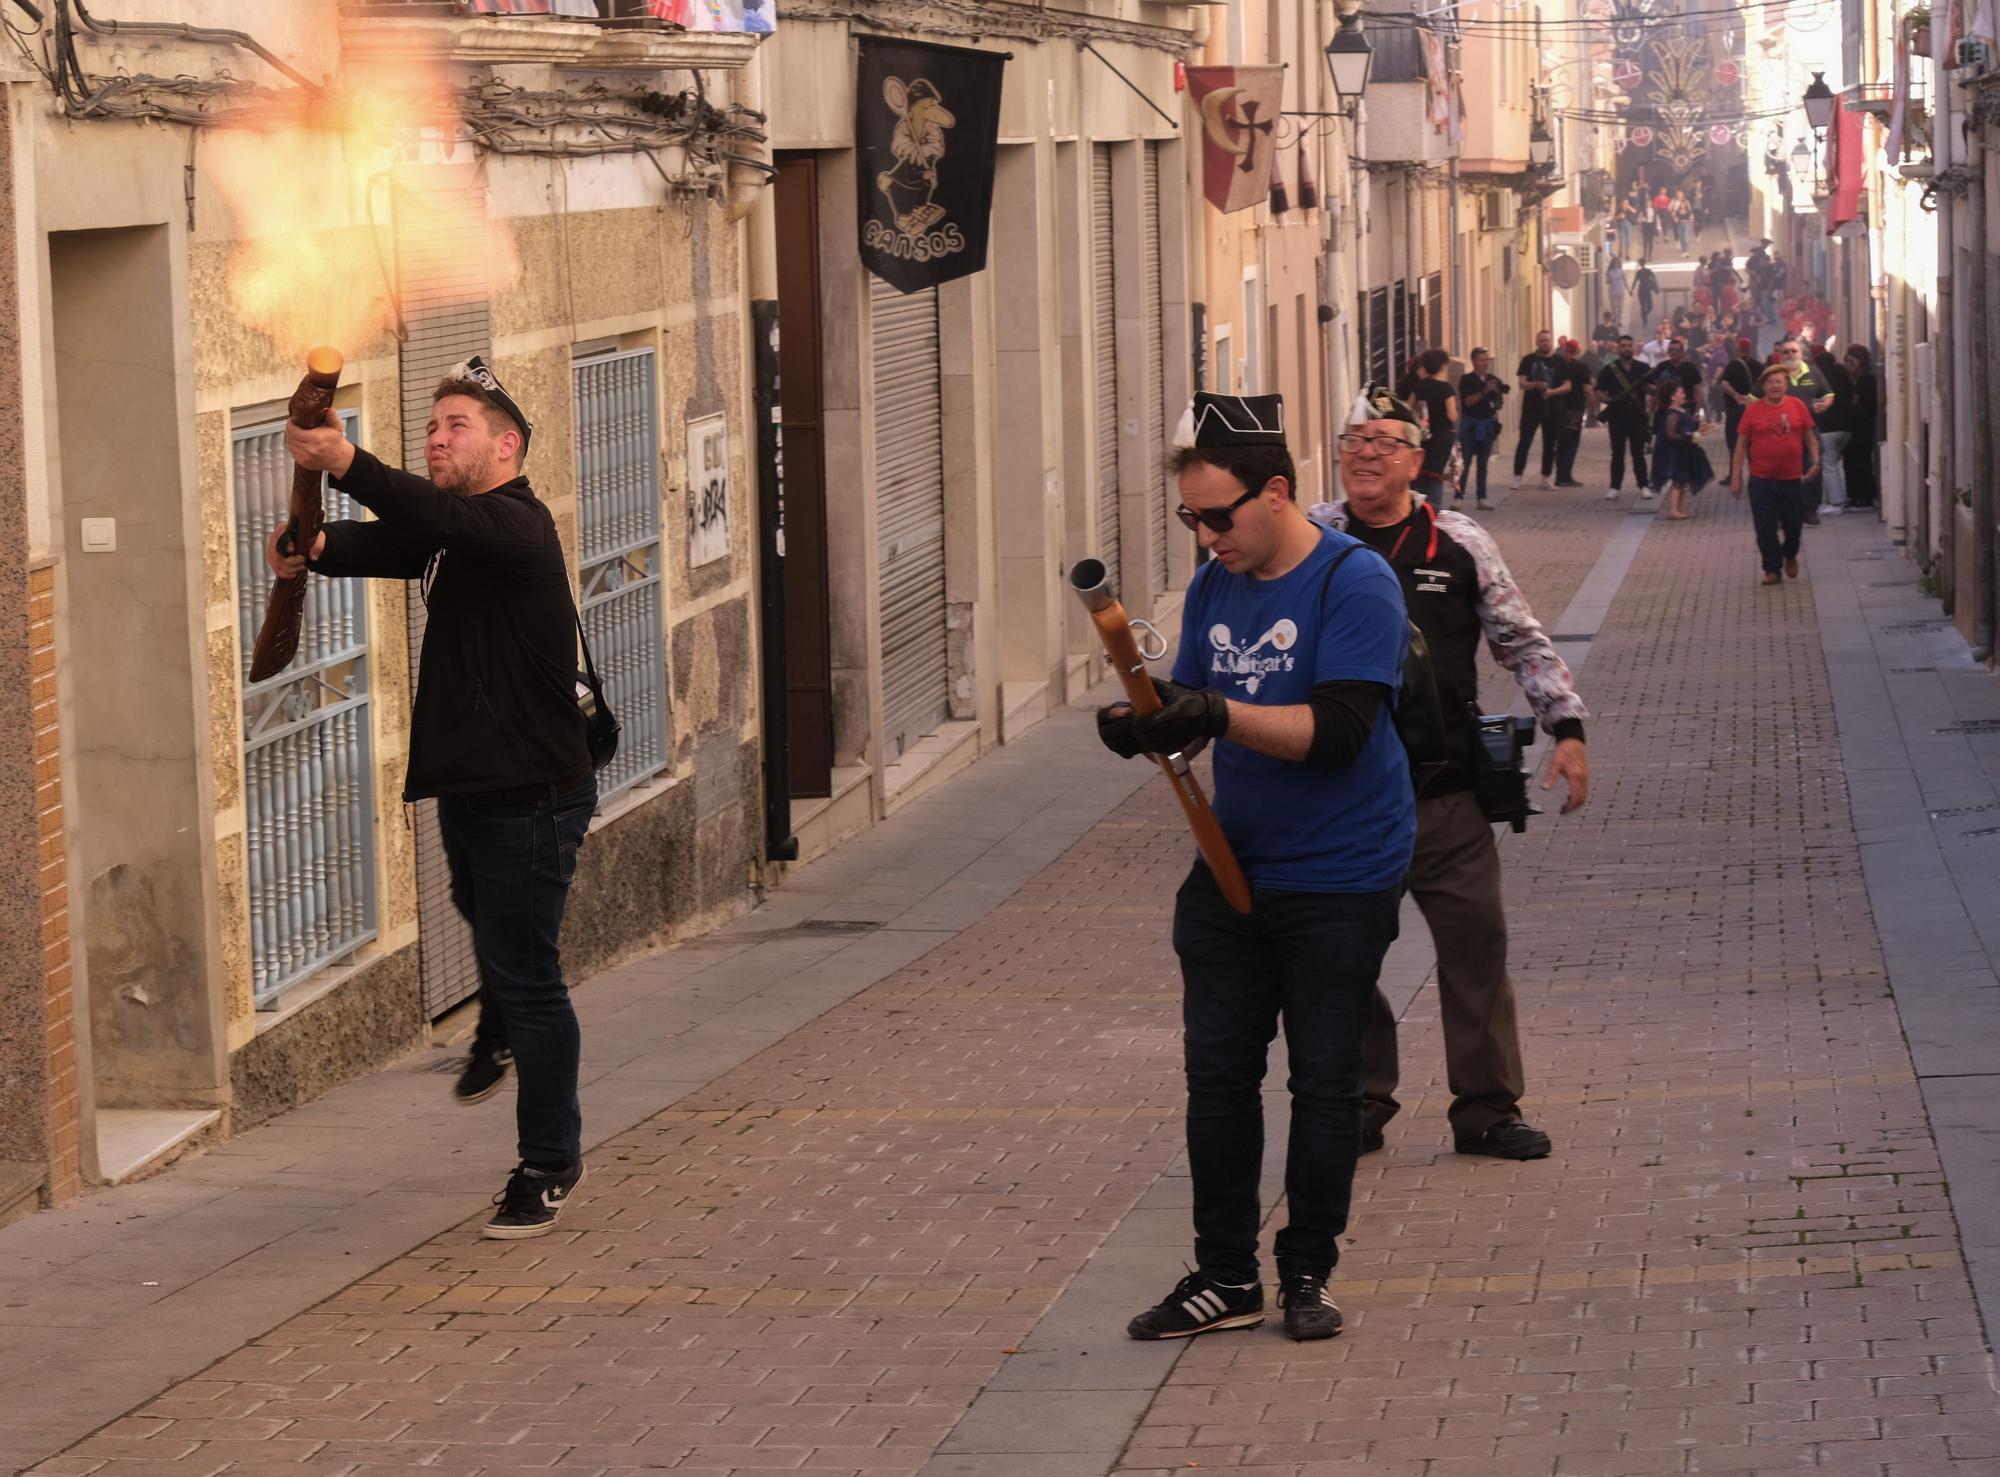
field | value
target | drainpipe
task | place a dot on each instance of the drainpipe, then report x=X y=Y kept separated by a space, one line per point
x=761 y=249
x=1977 y=307
x=1943 y=359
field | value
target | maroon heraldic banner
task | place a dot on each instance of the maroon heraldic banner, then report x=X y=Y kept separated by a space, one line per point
x=1239 y=109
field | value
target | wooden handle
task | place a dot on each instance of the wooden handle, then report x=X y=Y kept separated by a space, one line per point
x=278 y=638
x=1114 y=629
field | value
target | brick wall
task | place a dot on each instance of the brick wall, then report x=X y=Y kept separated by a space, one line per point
x=65 y=1166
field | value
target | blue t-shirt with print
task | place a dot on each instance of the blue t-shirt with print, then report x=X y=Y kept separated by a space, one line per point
x=1297 y=827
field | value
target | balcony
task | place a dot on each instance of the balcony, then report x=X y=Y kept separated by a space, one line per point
x=1398 y=99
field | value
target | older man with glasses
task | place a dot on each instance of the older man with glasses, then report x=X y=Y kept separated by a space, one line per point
x=1462 y=596
x=1293 y=640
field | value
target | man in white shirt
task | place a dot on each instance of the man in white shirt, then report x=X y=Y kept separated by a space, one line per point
x=1655 y=351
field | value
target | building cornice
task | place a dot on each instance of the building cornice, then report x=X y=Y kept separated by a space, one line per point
x=500 y=40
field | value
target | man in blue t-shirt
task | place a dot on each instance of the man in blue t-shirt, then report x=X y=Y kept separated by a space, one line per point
x=1292 y=646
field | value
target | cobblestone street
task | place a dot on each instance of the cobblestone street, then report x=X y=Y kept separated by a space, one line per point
x=902 y=1237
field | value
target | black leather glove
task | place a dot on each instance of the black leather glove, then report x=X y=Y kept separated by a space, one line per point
x=1187 y=716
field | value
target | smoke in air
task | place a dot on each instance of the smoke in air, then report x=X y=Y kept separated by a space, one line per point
x=315 y=209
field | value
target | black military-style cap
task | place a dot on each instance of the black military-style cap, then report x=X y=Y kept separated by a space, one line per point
x=1378 y=404
x=481 y=374
x=1234 y=420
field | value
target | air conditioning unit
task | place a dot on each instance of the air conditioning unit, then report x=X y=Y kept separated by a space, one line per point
x=1974 y=55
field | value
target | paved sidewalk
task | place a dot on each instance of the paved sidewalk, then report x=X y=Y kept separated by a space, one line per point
x=902 y=1201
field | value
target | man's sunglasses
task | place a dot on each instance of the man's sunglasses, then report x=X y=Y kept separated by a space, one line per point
x=1215 y=520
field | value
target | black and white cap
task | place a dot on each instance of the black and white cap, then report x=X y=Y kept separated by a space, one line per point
x=1232 y=420
x=481 y=374
x=1376 y=403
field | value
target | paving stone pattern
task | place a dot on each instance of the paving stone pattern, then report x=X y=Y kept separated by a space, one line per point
x=1740 y=1259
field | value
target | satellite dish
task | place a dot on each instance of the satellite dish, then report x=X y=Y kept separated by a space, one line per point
x=1563 y=270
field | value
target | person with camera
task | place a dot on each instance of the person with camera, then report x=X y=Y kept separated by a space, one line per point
x=1480 y=395
x=1460 y=592
x=1293 y=641
x=495 y=735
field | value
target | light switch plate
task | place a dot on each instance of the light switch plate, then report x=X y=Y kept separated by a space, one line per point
x=100 y=535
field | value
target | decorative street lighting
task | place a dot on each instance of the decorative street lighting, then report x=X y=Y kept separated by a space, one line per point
x=1541 y=148
x=1819 y=103
x=1349 y=57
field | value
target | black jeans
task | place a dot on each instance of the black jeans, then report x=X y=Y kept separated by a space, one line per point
x=1776 y=508
x=1532 y=420
x=1311 y=959
x=511 y=865
x=1627 y=433
x=1568 y=439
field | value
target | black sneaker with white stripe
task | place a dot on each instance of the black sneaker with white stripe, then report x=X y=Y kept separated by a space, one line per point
x=1199 y=1304
x=1308 y=1306
x=532 y=1202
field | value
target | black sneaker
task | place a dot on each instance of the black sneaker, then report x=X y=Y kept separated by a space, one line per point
x=1510 y=1140
x=484 y=1072
x=532 y=1202
x=1308 y=1306
x=1200 y=1305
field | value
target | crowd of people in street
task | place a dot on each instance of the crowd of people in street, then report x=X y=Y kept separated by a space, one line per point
x=1665 y=402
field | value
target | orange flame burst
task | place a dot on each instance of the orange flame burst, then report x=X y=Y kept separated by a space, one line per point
x=312 y=197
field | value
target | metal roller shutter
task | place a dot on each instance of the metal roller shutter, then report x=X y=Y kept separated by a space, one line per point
x=909 y=482
x=1104 y=309
x=448 y=319
x=1151 y=293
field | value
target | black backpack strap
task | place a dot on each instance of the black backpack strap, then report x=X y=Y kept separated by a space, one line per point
x=1415 y=710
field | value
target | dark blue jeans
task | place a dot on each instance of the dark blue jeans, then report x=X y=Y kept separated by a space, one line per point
x=511 y=865
x=1311 y=960
x=1777 y=510
x=1478 y=450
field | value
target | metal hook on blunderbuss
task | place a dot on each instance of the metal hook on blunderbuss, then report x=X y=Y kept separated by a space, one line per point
x=1092 y=583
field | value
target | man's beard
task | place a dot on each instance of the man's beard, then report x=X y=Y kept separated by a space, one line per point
x=468 y=477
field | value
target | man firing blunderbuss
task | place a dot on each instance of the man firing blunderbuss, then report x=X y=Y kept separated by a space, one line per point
x=496 y=735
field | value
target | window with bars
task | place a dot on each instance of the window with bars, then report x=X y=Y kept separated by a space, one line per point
x=618 y=533
x=308 y=775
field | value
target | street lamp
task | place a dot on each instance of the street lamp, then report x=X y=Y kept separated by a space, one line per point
x=1819 y=103
x=1349 y=57
x=1541 y=148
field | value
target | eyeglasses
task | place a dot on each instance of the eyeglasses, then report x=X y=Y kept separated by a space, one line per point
x=1215 y=520
x=1353 y=442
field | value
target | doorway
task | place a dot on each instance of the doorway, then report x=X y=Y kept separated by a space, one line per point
x=144 y=889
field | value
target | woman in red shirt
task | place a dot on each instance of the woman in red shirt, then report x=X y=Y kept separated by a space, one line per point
x=1777 y=446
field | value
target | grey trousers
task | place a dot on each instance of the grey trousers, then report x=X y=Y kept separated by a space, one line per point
x=1455 y=879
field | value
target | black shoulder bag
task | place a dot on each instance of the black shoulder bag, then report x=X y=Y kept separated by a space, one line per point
x=600 y=723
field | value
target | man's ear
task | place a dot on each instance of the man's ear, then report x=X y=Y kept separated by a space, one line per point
x=508 y=444
x=1280 y=486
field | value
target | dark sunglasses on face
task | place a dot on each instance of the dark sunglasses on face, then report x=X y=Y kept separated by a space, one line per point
x=1215 y=520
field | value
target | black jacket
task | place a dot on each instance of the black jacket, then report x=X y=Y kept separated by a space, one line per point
x=1460 y=594
x=496 y=691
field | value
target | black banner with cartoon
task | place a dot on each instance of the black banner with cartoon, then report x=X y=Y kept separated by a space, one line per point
x=926 y=130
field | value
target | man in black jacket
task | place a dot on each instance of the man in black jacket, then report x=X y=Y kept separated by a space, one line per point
x=1621 y=390
x=1461 y=595
x=495 y=736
